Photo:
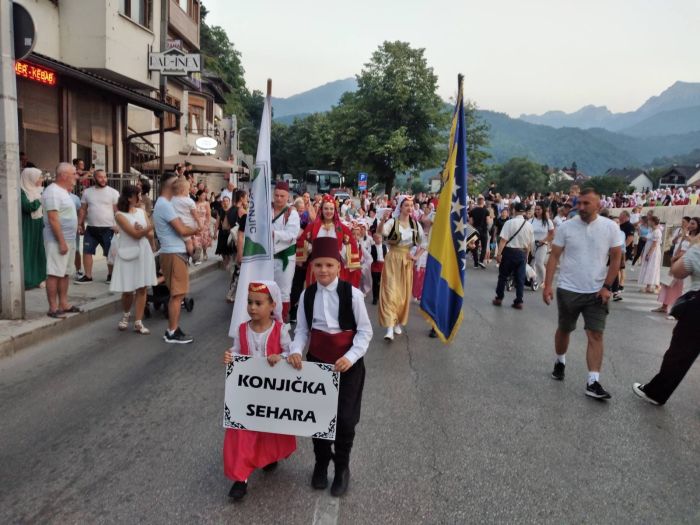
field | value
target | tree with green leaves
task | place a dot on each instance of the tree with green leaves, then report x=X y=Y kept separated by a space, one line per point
x=478 y=140
x=395 y=120
x=607 y=185
x=221 y=57
x=522 y=176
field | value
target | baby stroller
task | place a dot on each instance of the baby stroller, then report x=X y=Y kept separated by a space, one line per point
x=530 y=279
x=160 y=296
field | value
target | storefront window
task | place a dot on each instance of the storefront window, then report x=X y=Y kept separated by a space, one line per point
x=91 y=131
x=38 y=123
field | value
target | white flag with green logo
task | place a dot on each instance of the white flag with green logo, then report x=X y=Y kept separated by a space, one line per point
x=257 y=264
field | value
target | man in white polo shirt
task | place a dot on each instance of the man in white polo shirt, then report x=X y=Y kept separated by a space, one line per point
x=584 y=243
x=514 y=245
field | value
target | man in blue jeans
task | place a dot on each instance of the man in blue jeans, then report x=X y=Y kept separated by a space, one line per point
x=516 y=239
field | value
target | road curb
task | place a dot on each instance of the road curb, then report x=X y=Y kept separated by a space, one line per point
x=39 y=330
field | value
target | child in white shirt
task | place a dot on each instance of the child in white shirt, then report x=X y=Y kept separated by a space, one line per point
x=185 y=208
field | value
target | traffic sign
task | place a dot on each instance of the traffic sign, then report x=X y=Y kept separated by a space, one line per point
x=362 y=180
x=24 y=31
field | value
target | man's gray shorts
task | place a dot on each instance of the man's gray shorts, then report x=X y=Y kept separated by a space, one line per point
x=573 y=304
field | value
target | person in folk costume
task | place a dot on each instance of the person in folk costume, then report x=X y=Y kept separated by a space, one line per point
x=364 y=242
x=378 y=252
x=265 y=337
x=285 y=230
x=402 y=232
x=328 y=224
x=332 y=319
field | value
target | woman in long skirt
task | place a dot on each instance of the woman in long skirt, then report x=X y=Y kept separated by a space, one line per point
x=401 y=232
x=671 y=292
x=650 y=271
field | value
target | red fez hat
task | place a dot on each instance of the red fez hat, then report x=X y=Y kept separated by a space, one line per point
x=258 y=288
x=325 y=247
x=282 y=185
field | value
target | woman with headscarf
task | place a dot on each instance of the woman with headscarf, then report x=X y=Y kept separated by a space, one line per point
x=402 y=232
x=327 y=224
x=32 y=228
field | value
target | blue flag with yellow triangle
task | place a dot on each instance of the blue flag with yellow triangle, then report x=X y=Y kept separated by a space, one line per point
x=443 y=291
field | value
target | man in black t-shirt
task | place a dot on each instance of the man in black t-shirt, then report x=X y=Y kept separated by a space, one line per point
x=478 y=216
x=626 y=228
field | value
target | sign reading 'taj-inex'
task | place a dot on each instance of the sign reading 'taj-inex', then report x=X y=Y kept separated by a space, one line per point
x=174 y=62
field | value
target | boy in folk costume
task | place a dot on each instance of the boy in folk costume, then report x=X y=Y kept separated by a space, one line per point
x=378 y=253
x=264 y=336
x=285 y=230
x=332 y=319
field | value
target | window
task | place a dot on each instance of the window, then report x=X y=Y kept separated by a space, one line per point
x=196 y=120
x=170 y=120
x=191 y=7
x=140 y=11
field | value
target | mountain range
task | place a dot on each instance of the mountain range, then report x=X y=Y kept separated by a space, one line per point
x=667 y=125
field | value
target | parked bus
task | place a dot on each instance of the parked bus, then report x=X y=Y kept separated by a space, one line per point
x=321 y=181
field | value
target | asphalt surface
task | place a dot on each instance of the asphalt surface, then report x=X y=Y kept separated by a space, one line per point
x=106 y=427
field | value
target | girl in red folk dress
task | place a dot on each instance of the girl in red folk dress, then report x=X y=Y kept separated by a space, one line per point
x=264 y=336
x=328 y=224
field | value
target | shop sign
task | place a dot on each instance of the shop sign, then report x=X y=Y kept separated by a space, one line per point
x=174 y=62
x=35 y=73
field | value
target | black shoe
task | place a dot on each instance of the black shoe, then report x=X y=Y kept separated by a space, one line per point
x=476 y=266
x=83 y=280
x=270 y=467
x=178 y=337
x=617 y=296
x=374 y=301
x=638 y=389
x=340 y=481
x=238 y=490
x=558 y=372
x=596 y=391
x=109 y=278
x=319 y=479
x=433 y=333
x=482 y=265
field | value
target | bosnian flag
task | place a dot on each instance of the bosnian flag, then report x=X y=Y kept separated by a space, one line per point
x=257 y=263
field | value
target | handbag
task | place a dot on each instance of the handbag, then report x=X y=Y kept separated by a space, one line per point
x=128 y=253
x=685 y=304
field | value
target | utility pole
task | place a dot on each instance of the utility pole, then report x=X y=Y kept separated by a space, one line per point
x=11 y=271
x=164 y=14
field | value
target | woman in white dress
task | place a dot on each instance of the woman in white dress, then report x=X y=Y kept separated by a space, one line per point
x=543 y=229
x=650 y=270
x=134 y=266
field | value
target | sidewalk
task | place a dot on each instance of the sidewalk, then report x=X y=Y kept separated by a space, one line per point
x=94 y=299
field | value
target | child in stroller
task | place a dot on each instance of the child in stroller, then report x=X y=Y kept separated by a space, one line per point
x=160 y=296
x=530 y=279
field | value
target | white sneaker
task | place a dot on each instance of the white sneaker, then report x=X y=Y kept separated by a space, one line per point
x=397 y=329
x=389 y=336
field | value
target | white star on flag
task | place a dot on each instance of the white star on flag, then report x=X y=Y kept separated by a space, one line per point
x=460 y=226
x=462 y=247
x=457 y=207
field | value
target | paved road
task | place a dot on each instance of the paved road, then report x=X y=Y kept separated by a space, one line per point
x=103 y=427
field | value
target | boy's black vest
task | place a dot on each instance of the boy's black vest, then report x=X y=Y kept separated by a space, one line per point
x=346 y=317
x=373 y=251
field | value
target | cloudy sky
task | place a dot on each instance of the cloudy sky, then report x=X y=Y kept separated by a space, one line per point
x=518 y=56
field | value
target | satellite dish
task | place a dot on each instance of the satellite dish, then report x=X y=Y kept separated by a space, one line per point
x=206 y=143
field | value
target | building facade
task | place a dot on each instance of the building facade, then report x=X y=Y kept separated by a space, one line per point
x=86 y=91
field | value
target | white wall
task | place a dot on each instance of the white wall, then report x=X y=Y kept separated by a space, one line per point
x=83 y=33
x=127 y=44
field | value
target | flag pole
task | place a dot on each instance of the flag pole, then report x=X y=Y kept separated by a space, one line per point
x=269 y=87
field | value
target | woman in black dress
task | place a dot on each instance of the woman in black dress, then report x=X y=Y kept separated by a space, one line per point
x=223 y=228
